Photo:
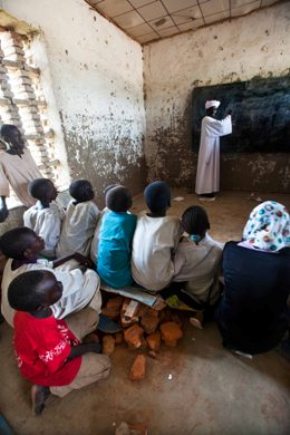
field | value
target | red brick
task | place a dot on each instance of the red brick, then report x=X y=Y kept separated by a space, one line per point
x=113 y=307
x=108 y=344
x=171 y=333
x=150 y=321
x=138 y=369
x=134 y=336
x=119 y=338
x=154 y=341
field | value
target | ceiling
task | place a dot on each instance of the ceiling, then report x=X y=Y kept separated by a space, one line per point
x=149 y=20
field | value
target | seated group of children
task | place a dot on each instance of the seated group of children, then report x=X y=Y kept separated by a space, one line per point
x=58 y=302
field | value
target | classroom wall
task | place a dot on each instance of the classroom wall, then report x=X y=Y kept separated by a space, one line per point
x=97 y=78
x=255 y=45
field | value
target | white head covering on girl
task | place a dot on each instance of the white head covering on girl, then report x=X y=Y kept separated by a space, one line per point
x=268 y=227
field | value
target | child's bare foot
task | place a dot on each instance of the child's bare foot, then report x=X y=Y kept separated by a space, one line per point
x=39 y=396
x=197 y=320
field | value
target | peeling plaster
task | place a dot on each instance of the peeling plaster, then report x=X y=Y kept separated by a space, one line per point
x=255 y=45
x=97 y=75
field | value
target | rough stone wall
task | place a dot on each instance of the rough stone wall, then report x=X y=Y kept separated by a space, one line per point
x=255 y=45
x=97 y=76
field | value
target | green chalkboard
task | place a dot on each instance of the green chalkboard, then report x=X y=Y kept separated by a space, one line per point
x=260 y=114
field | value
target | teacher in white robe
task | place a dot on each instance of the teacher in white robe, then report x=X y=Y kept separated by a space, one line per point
x=208 y=165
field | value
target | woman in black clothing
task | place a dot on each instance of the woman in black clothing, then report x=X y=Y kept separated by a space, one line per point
x=252 y=315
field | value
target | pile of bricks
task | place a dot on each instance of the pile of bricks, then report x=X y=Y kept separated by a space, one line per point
x=144 y=329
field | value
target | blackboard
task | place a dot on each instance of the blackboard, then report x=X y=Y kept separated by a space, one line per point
x=261 y=114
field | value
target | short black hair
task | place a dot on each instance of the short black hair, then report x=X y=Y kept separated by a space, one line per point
x=13 y=243
x=6 y=130
x=195 y=220
x=81 y=190
x=157 y=196
x=118 y=199
x=23 y=291
x=38 y=188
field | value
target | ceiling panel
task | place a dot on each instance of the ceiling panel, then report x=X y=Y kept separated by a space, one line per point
x=162 y=23
x=140 y=30
x=153 y=11
x=245 y=9
x=173 y=5
x=112 y=8
x=130 y=19
x=149 y=20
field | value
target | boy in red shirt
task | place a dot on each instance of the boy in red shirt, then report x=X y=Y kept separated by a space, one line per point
x=49 y=351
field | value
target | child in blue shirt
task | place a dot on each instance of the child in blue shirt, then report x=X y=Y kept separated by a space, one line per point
x=115 y=239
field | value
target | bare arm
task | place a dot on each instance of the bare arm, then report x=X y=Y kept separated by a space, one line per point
x=81 y=349
x=84 y=261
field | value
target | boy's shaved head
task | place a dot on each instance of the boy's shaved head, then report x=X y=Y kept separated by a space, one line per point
x=26 y=292
x=40 y=187
x=118 y=199
x=157 y=196
x=81 y=190
x=14 y=242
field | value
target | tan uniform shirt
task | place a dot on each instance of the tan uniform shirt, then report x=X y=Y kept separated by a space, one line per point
x=18 y=172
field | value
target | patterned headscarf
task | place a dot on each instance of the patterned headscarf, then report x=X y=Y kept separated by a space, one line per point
x=268 y=227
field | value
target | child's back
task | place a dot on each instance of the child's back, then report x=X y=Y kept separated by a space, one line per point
x=114 y=249
x=115 y=239
x=198 y=257
x=78 y=228
x=80 y=221
x=46 y=222
x=154 y=242
x=199 y=266
x=45 y=217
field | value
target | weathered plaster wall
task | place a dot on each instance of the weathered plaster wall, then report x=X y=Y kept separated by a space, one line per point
x=258 y=44
x=97 y=75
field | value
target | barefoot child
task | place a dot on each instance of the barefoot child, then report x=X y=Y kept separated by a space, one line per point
x=80 y=220
x=80 y=288
x=45 y=216
x=115 y=239
x=155 y=240
x=49 y=351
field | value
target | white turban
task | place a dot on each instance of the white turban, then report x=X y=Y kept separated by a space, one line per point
x=212 y=103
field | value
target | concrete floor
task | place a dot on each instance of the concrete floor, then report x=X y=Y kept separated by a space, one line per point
x=211 y=390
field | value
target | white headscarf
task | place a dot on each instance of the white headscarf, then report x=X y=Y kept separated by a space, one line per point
x=212 y=103
x=268 y=227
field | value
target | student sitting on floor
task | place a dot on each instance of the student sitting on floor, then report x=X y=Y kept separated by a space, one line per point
x=95 y=242
x=80 y=289
x=197 y=261
x=45 y=216
x=80 y=220
x=155 y=240
x=48 y=350
x=115 y=239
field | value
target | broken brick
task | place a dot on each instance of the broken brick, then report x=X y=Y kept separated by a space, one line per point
x=108 y=344
x=154 y=341
x=113 y=307
x=138 y=369
x=134 y=336
x=171 y=333
x=119 y=337
x=150 y=321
